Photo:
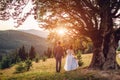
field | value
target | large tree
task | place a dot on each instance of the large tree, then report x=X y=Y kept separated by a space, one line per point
x=93 y=18
x=96 y=19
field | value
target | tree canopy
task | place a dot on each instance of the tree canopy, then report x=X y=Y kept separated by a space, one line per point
x=16 y=10
x=83 y=16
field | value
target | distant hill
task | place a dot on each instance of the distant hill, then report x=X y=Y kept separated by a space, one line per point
x=39 y=33
x=12 y=39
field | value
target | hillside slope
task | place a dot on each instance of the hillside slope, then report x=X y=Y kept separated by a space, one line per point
x=39 y=33
x=11 y=40
x=45 y=70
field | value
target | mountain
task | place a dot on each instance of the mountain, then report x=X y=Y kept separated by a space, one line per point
x=39 y=33
x=12 y=39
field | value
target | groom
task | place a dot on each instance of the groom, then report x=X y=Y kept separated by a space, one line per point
x=58 y=53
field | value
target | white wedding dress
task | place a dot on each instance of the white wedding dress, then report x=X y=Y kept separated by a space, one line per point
x=70 y=63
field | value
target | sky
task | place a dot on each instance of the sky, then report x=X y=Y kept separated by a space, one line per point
x=30 y=23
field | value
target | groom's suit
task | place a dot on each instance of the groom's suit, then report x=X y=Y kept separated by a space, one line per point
x=58 y=53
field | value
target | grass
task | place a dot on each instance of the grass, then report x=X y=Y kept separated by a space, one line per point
x=46 y=71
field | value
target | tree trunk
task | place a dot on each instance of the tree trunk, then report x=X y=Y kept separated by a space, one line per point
x=110 y=59
x=104 y=54
x=105 y=44
x=98 y=58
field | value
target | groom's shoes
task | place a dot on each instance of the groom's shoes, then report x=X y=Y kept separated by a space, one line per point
x=57 y=71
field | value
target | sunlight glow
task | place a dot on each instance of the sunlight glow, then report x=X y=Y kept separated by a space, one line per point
x=61 y=31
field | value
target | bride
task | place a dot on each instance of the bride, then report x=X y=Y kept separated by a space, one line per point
x=70 y=63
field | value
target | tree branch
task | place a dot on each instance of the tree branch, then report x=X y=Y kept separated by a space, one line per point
x=116 y=16
x=117 y=7
x=89 y=4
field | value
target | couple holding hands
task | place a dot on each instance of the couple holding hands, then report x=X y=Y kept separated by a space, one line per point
x=71 y=62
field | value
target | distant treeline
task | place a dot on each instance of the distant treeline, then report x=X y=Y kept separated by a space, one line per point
x=17 y=56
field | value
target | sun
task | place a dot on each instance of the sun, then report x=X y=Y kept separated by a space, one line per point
x=61 y=31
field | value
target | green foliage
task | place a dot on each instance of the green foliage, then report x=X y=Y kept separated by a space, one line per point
x=118 y=49
x=23 y=66
x=17 y=56
x=32 y=53
x=80 y=63
x=89 y=48
x=20 y=68
x=36 y=59
x=9 y=60
x=28 y=64
x=5 y=63
x=48 y=53
x=44 y=58
x=0 y=57
x=22 y=53
x=14 y=57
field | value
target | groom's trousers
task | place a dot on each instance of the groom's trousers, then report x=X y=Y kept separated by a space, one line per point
x=58 y=65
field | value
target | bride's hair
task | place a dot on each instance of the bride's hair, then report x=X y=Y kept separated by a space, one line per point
x=71 y=47
x=58 y=43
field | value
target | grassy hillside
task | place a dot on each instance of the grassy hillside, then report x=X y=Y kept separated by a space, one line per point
x=46 y=71
x=11 y=39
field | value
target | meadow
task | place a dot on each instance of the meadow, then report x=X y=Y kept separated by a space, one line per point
x=46 y=71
